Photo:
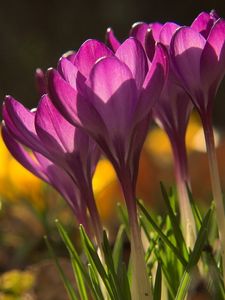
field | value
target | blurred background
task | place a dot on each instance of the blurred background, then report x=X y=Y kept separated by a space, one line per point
x=35 y=34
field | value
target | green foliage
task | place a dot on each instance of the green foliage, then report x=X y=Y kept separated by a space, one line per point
x=103 y=273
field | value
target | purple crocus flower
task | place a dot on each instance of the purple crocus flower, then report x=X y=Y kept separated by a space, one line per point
x=110 y=96
x=139 y=31
x=64 y=156
x=198 y=58
x=172 y=112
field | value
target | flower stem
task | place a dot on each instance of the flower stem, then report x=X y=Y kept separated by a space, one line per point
x=95 y=219
x=215 y=181
x=182 y=179
x=140 y=285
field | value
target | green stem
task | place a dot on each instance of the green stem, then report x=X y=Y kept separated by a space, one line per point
x=182 y=179
x=215 y=181
x=140 y=285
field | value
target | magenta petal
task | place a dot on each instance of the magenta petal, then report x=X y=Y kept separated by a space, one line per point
x=74 y=107
x=153 y=83
x=156 y=29
x=132 y=54
x=139 y=31
x=213 y=57
x=68 y=71
x=167 y=32
x=172 y=110
x=20 y=122
x=21 y=155
x=61 y=181
x=113 y=93
x=186 y=49
x=111 y=40
x=203 y=23
x=63 y=96
x=88 y=54
x=70 y=55
x=51 y=128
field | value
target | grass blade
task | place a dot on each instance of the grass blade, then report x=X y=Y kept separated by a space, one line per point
x=162 y=235
x=194 y=257
x=68 y=286
x=158 y=284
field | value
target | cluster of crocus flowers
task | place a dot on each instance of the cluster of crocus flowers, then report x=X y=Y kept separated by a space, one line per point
x=196 y=68
x=103 y=98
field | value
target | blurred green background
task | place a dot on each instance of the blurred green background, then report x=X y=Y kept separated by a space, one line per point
x=35 y=33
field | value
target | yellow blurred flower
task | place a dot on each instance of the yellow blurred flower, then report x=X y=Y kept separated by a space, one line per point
x=195 y=139
x=16 y=282
x=106 y=189
x=158 y=144
x=16 y=182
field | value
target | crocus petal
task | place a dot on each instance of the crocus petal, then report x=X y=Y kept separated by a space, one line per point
x=213 y=57
x=172 y=110
x=88 y=54
x=111 y=40
x=51 y=128
x=203 y=23
x=167 y=32
x=74 y=107
x=20 y=122
x=156 y=29
x=63 y=96
x=153 y=83
x=68 y=71
x=60 y=180
x=139 y=31
x=113 y=93
x=132 y=54
x=70 y=55
x=21 y=155
x=186 y=49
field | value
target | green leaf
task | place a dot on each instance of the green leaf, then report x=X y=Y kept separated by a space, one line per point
x=95 y=261
x=112 y=277
x=123 y=216
x=80 y=272
x=118 y=247
x=158 y=284
x=194 y=257
x=196 y=212
x=162 y=235
x=175 y=224
x=95 y=283
x=68 y=286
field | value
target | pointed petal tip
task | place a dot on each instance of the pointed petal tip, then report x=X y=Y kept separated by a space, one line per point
x=213 y=14
x=51 y=73
x=39 y=71
x=137 y=24
x=68 y=53
x=49 y=70
x=8 y=97
x=109 y=29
